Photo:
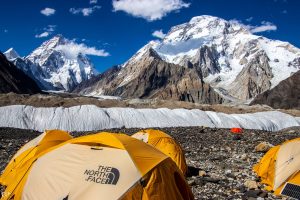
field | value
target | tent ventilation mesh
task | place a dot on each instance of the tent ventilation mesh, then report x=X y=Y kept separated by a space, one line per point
x=291 y=190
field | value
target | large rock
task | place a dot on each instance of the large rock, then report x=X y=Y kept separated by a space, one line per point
x=251 y=184
x=286 y=95
x=263 y=147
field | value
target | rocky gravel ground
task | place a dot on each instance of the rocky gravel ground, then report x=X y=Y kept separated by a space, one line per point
x=220 y=163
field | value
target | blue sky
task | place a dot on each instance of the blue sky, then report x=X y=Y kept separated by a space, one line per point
x=122 y=27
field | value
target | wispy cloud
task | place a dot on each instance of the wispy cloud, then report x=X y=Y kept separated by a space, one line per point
x=249 y=19
x=159 y=34
x=149 y=9
x=48 y=11
x=93 y=1
x=42 y=35
x=84 y=11
x=284 y=12
x=72 y=50
x=264 y=27
x=5 y=31
x=46 y=31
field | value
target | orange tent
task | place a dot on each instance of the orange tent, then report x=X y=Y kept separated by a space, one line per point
x=236 y=130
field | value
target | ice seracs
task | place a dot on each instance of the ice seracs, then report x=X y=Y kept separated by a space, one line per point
x=91 y=118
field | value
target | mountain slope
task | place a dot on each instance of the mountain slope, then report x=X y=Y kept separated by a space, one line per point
x=52 y=67
x=14 y=80
x=229 y=55
x=92 y=85
x=151 y=77
x=223 y=56
x=285 y=95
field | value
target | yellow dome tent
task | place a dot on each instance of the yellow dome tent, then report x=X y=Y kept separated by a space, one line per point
x=37 y=145
x=280 y=165
x=165 y=144
x=100 y=166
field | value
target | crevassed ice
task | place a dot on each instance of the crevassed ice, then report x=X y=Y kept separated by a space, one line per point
x=89 y=118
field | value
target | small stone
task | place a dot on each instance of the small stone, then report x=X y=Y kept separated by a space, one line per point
x=237 y=137
x=231 y=176
x=263 y=147
x=251 y=184
x=202 y=173
x=242 y=189
x=211 y=180
x=244 y=157
x=191 y=182
x=252 y=193
x=292 y=131
x=263 y=194
x=200 y=182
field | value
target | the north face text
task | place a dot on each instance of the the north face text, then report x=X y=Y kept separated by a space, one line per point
x=103 y=175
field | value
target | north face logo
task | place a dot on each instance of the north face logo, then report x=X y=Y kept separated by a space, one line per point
x=103 y=175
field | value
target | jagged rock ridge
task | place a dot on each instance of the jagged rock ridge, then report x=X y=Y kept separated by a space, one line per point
x=151 y=77
x=14 y=80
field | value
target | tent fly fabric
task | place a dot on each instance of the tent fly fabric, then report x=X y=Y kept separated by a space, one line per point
x=280 y=165
x=166 y=144
x=39 y=144
x=98 y=166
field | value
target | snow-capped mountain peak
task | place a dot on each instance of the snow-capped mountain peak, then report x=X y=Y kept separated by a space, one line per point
x=53 y=69
x=11 y=54
x=40 y=54
x=228 y=55
x=202 y=27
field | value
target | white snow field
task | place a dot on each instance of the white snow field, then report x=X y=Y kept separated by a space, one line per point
x=90 y=118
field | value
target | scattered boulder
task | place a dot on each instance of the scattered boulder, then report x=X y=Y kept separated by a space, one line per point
x=202 y=173
x=263 y=147
x=251 y=184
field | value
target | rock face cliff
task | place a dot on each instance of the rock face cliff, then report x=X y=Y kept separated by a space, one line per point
x=14 y=80
x=151 y=77
x=254 y=78
x=285 y=95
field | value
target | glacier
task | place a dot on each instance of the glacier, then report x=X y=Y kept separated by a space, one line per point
x=92 y=118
